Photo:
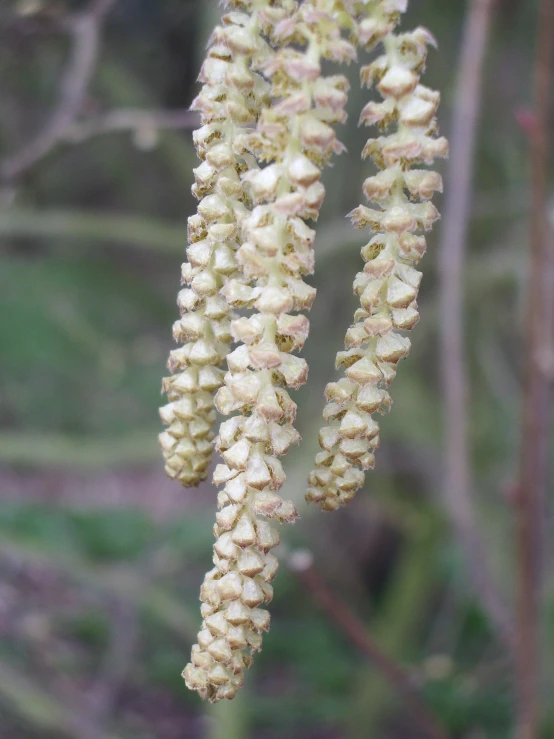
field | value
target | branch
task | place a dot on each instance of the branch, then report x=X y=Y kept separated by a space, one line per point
x=131 y=119
x=135 y=593
x=458 y=486
x=85 y=30
x=145 y=233
x=117 y=664
x=531 y=503
x=15 y=27
x=115 y=582
x=355 y=631
x=51 y=450
x=41 y=709
x=100 y=8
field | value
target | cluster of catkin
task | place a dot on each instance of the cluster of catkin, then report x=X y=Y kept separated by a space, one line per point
x=268 y=114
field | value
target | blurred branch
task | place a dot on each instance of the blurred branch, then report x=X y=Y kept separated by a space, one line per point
x=85 y=31
x=504 y=205
x=457 y=482
x=131 y=119
x=37 y=707
x=146 y=233
x=99 y=8
x=397 y=623
x=13 y=27
x=30 y=701
x=122 y=87
x=539 y=353
x=64 y=124
x=122 y=648
x=133 y=591
x=163 y=236
x=229 y=719
x=125 y=583
x=354 y=630
x=44 y=450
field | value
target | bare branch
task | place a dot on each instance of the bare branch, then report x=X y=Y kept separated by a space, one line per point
x=458 y=486
x=57 y=451
x=355 y=631
x=131 y=119
x=85 y=30
x=100 y=8
x=531 y=503
x=117 y=663
x=43 y=710
x=97 y=227
x=122 y=583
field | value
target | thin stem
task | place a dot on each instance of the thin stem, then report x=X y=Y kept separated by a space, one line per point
x=535 y=417
x=44 y=451
x=131 y=119
x=355 y=631
x=85 y=30
x=43 y=710
x=458 y=485
x=117 y=663
x=229 y=719
x=123 y=583
x=93 y=227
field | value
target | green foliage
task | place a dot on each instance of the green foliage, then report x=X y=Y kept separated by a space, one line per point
x=466 y=705
x=90 y=627
x=110 y=535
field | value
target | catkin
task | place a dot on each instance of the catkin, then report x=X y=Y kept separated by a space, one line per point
x=230 y=102
x=388 y=285
x=294 y=138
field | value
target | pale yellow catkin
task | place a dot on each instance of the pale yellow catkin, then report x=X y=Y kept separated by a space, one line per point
x=230 y=102
x=389 y=283
x=294 y=138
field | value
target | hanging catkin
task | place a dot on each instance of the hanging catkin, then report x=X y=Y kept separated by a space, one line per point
x=389 y=283
x=230 y=102
x=294 y=138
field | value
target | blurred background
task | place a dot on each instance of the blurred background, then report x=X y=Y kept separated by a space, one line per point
x=101 y=556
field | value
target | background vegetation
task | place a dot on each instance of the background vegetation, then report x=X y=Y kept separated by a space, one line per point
x=101 y=557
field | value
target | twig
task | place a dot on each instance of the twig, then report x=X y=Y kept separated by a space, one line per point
x=38 y=707
x=131 y=119
x=100 y=8
x=133 y=593
x=103 y=696
x=355 y=631
x=229 y=719
x=120 y=582
x=535 y=413
x=95 y=227
x=85 y=31
x=13 y=28
x=457 y=481
x=55 y=450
